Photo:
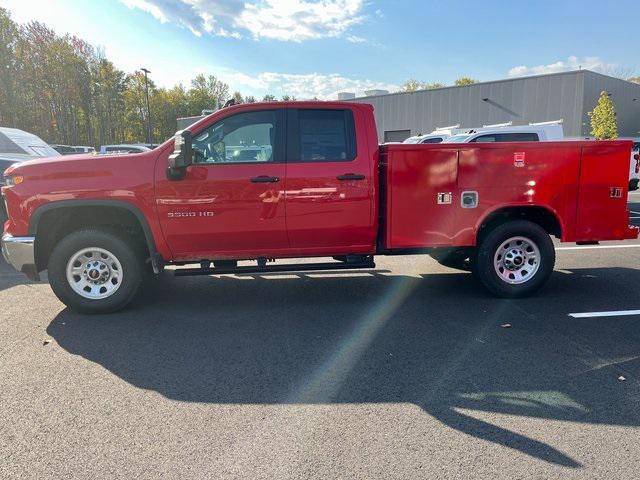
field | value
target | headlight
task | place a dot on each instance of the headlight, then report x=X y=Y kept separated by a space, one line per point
x=13 y=180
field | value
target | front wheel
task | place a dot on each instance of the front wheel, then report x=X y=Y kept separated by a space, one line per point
x=515 y=259
x=94 y=271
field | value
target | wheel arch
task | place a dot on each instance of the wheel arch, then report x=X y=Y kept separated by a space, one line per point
x=129 y=213
x=541 y=215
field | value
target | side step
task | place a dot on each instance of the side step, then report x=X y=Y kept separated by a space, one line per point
x=296 y=267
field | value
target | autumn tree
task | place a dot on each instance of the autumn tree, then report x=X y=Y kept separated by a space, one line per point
x=603 y=118
x=207 y=93
x=237 y=98
x=412 y=85
x=465 y=81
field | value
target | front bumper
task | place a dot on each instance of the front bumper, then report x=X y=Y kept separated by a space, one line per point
x=19 y=252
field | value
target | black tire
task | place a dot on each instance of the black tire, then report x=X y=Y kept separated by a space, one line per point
x=458 y=258
x=95 y=238
x=487 y=252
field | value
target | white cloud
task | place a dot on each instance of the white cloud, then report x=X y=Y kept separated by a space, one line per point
x=285 y=20
x=301 y=85
x=571 y=63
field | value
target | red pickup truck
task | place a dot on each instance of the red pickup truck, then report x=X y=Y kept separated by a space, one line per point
x=267 y=181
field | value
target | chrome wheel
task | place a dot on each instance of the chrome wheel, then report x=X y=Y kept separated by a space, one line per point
x=517 y=260
x=94 y=273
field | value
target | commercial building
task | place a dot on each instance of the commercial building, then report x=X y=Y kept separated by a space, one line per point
x=566 y=96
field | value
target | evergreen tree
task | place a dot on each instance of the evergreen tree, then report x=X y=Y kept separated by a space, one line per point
x=603 y=118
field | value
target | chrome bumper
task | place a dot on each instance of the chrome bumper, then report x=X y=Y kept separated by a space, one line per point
x=19 y=252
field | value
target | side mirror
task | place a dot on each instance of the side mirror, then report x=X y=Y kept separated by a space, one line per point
x=181 y=157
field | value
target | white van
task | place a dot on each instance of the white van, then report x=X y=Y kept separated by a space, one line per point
x=439 y=135
x=506 y=132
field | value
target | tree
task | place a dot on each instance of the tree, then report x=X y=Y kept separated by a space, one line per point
x=8 y=67
x=237 y=98
x=603 y=118
x=288 y=98
x=207 y=93
x=269 y=98
x=465 y=81
x=412 y=85
x=250 y=99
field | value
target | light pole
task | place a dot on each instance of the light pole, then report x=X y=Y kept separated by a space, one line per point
x=146 y=92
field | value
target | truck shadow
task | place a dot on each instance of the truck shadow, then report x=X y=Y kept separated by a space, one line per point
x=435 y=341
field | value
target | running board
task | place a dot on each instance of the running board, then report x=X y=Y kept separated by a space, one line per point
x=300 y=267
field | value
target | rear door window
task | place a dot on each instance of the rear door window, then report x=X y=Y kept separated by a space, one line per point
x=318 y=135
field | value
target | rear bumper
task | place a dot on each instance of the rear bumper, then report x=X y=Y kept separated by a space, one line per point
x=19 y=253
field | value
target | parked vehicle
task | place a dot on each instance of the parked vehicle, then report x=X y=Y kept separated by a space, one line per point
x=439 y=135
x=429 y=138
x=18 y=146
x=124 y=148
x=64 y=149
x=15 y=141
x=634 y=165
x=84 y=149
x=534 y=132
x=325 y=189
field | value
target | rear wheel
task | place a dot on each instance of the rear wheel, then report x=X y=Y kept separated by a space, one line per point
x=94 y=271
x=515 y=259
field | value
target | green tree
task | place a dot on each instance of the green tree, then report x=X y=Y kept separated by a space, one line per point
x=288 y=98
x=465 y=81
x=413 y=85
x=207 y=93
x=604 y=124
x=269 y=98
x=237 y=98
x=9 y=37
x=250 y=99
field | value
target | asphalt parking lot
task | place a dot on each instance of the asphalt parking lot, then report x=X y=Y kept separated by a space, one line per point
x=411 y=371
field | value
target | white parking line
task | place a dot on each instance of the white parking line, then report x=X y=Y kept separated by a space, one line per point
x=637 y=213
x=631 y=218
x=591 y=247
x=619 y=313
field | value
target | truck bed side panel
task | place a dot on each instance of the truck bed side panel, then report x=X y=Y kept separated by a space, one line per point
x=425 y=184
x=602 y=211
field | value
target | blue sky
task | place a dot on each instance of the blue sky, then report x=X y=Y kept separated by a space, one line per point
x=309 y=48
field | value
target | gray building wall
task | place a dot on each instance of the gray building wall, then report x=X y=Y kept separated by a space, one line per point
x=568 y=96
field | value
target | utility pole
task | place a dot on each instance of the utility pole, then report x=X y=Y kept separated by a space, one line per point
x=146 y=91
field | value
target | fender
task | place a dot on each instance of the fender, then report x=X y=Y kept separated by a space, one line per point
x=156 y=260
x=551 y=211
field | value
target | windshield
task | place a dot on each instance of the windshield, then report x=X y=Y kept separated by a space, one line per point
x=457 y=139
